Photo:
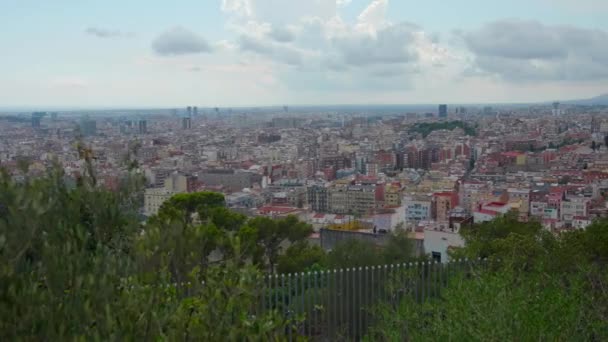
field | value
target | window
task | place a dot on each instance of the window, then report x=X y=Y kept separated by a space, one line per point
x=436 y=256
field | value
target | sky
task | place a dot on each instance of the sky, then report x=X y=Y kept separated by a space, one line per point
x=152 y=53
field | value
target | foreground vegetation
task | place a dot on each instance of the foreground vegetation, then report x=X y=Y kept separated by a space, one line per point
x=537 y=286
x=77 y=263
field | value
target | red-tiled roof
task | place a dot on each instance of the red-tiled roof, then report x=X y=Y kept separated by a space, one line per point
x=487 y=212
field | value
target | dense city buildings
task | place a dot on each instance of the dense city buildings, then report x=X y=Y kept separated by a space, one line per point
x=386 y=171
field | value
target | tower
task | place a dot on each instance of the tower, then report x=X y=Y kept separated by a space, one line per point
x=556 y=110
x=186 y=123
x=142 y=127
x=443 y=111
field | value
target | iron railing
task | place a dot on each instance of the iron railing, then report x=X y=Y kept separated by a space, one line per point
x=332 y=305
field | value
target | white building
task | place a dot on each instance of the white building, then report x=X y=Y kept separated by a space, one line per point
x=490 y=211
x=438 y=242
x=417 y=209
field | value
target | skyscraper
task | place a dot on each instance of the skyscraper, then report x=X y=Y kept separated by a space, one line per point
x=195 y=111
x=556 y=111
x=142 y=127
x=36 y=118
x=443 y=111
x=186 y=123
x=189 y=111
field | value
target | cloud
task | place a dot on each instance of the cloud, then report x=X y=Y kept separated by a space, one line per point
x=390 y=45
x=106 y=33
x=524 y=50
x=179 y=41
x=278 y=52
x=374 y=15
x=281 y=34
x=317 y=49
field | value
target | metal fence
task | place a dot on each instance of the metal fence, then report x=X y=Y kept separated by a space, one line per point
x=342 y=304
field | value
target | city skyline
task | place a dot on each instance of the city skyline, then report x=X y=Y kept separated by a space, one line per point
x=323 y=52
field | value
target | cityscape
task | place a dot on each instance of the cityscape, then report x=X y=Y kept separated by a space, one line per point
x=327 y=170
x=427 y=172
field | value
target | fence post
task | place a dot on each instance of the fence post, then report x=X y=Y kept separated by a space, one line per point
x=290 y=306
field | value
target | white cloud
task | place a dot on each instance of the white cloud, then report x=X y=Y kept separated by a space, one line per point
x=373 y=16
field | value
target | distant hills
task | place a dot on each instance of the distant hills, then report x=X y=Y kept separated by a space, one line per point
x=598 y=100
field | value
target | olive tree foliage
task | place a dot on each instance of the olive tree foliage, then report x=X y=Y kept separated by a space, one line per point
x=76 y=263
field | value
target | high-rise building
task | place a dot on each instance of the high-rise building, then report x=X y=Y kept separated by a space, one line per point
x=36 y=118
x=88 y=127
x=443 y=111
x=186 y=123
x=142 y=127
x=54 y=116
x=195 y=111
x=189 y=111
x=556 y=111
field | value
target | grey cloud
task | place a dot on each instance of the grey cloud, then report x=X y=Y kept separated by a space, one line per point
x=280 y=34
x=518 y=50
x=279 y=52
x=391 y=45
x=179 y=41
x=106 y=33
x=516 y=39
x=249 y=43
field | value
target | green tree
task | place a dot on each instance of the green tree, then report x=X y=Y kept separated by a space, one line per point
x=399 y=249
x=189 y=203
x=301 y=257
x=272 y=234
x=354 y=253
x=76 y=264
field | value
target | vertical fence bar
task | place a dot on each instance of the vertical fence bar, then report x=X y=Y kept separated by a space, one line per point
x=385 y=294
x=356 y=302
x=290 y=315
x=342 y=301
x=415 y=274
x=307 y=310
x=433 y=270
x=275 y=292
x=429 y=279
x=334 y=309
x=360 y=300
x=284 y=296
x=348 y=303
x=315 y=299
x=373 y=286
x=368 y=293
x=295 y=310
x=422 y=282
x=303 y=302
